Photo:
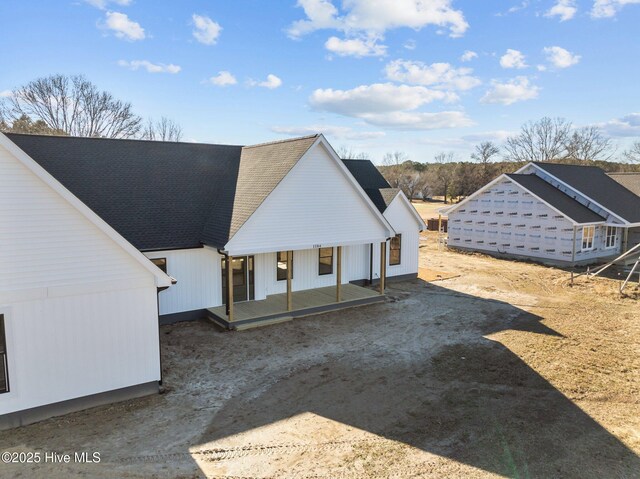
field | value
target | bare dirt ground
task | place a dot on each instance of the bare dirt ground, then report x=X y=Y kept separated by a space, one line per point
x=502 y=371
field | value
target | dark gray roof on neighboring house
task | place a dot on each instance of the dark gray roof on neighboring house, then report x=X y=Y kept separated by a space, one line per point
x=556 y=198
x=166 y=195
x=597 y=185
x=372 y=182
x=630 y=181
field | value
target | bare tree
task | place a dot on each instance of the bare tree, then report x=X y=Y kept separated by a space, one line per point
x=588 y=144
x=632 y=155
x=347 y=153
x=72 y=105
x=392 y=167
x=162 y=130
x=24 y=124
x=543 y=140
x=483 y=153
x=444 y=173
x=409 y=182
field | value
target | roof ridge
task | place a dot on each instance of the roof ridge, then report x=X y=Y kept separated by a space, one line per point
x=316 y=135
x=140 y=140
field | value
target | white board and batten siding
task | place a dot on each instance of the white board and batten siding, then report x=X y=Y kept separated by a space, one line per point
x=198 y=273
x=80 y=312
x=404 y=222
x=315 y=205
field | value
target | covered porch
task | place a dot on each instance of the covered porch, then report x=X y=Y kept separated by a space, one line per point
x=274 y=308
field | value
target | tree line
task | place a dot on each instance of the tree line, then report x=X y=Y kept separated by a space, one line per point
x=545 y=140
x=72 y=105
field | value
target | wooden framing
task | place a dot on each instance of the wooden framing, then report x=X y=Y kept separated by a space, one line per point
x=339 y=274
x=289 y=295
x=383 y=265
x=229 y=266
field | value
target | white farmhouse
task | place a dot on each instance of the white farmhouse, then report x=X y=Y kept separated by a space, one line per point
x=554 y=213
x=103 y=240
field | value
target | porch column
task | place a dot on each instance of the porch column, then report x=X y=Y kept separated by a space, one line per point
x=339 y=275
x=289 y=295
x=383 y=265
x=229 y=267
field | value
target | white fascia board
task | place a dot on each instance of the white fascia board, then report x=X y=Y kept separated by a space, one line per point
x=299 y=247
x=577 y=191
x=332 y=153
x=414 y=212
x=162 y=279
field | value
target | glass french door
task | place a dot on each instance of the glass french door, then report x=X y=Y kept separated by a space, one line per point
x=243 y=279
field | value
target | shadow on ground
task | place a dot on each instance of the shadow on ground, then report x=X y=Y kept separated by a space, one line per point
x=472 y=401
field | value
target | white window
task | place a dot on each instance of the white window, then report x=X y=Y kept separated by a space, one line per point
x=588 y=233
x=611 y=237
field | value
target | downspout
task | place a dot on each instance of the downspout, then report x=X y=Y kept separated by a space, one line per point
x=573 y=252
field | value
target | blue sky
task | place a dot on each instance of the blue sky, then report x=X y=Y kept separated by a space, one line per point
x=375 y=76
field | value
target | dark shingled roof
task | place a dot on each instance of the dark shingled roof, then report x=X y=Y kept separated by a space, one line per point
x=372 y=182
x=556 y=198
x=166 y=195
x=630 y=181
x=597 y=185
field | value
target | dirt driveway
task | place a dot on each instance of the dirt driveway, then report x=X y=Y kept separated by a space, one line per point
x=501 y=371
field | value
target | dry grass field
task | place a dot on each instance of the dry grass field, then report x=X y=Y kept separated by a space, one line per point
x=503 y=370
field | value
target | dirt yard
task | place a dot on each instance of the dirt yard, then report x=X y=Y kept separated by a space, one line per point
x=501 y=371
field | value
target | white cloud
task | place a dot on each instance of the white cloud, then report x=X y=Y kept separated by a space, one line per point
x=375 y=98
x=102 y=4
x=374 y=18
x=468 y=55
x=626 y=126
x=438 y=75
x=410 y=45
x=355 y=47
x=513 y=59
x=561 y=58
x=6 y=94
x=123 y=27
x=272 y=82
x=206 y=30
x=389 y=105
x=223 y=78
x=609 y=8
x=512 y=91
x=338 y=132
x=150 y=67
x=402 y=120
x=565 y=9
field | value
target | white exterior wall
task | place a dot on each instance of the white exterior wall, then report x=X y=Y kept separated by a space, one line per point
x=315 y=205
x=80 y=312
x=505 y=218
x=404 y=222
x=199 y=276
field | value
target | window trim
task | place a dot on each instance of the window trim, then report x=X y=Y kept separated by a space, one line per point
x=399 y=249
x=613 y=236
x=163 y=268
x=4 y=362
x=592 y=236
x=320 y=262
x=278 y=269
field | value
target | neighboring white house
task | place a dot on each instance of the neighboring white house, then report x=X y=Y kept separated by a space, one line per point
x=95 y=231
x=561 y=214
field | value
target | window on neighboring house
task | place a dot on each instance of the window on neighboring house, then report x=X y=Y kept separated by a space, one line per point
x=395 y=248
x=588 y=233
x=4 y=365
x=611 y=237
x=282 y=265
x=325 y=261
x=160 y=263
